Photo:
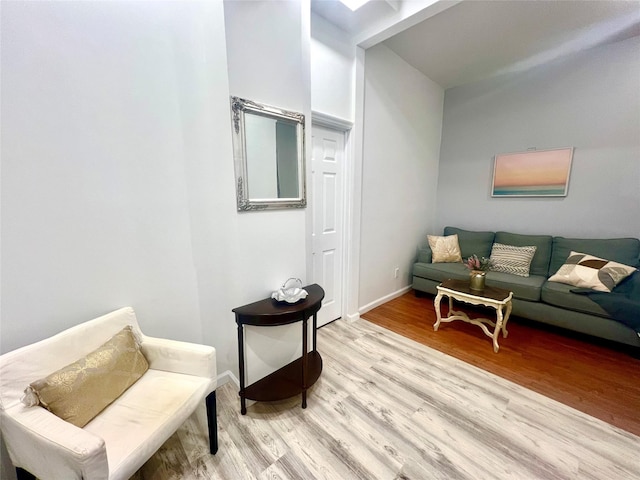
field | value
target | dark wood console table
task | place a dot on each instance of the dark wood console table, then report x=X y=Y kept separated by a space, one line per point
x=297 y=376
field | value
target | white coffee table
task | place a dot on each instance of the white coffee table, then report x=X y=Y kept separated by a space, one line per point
x=493 y=297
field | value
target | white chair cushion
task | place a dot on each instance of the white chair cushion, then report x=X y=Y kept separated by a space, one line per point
x=152 y=409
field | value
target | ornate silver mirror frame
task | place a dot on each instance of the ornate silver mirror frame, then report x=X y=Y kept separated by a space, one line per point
x=268 y=151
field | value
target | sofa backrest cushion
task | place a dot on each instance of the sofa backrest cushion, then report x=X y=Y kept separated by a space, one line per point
x=621 y=250
x=543 y=243
x=478 y=243
x=20 y=367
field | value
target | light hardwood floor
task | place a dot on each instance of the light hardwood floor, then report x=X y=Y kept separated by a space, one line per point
x=387 y=407
x=596 y=377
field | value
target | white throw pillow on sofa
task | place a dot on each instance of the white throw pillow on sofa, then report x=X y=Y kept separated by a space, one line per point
x=512 y=259
x=444 y=249
x=586 y=271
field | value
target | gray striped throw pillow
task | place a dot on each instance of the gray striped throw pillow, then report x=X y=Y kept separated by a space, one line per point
x=511 y=259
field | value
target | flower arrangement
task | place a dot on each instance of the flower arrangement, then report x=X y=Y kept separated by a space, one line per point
x=474 y=263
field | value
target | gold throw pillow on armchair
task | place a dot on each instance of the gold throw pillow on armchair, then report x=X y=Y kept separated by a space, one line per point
x=80 y=391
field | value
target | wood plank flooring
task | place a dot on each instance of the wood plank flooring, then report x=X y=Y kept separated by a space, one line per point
x=387 y=407
x=599 y=378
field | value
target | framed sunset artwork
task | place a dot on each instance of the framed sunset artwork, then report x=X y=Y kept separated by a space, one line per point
x=539 y=173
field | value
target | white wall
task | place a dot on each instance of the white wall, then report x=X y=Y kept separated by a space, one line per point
x=332 y=70
x=268 y=62
x=590 y=101
x=402 y=129
x=117 y=170
x=96 y=162
x=118 y=184
x=200 y=69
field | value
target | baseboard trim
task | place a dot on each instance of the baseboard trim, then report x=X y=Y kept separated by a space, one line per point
x=352 y=317
x=226 y=377
x=376 y=303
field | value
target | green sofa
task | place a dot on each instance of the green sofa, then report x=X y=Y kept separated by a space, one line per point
x=534 y=297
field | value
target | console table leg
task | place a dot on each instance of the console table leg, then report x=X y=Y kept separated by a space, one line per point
x=315 y=332
x=243 y=402
x=305 y=362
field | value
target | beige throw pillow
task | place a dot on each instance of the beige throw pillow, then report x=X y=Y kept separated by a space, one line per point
x=587 y=271
x=80 y=391
x=444 y=249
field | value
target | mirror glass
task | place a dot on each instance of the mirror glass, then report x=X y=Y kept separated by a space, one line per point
x=269 y=156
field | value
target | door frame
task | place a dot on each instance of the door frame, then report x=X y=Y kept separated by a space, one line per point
x=345 y=127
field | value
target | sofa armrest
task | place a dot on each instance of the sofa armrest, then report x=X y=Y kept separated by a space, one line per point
x=48 y=447
x=180 y=357
x=424 y=255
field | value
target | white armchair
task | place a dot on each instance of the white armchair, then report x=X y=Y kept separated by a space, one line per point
x=121 y=438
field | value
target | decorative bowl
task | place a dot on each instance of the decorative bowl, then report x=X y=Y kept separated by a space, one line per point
x=290 y=292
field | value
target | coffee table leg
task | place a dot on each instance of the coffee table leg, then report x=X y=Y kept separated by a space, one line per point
x=436 y=304
x=499 y=326
x=506 y=319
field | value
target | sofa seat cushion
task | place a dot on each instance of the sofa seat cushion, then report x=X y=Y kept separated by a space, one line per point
x=149 y=412
x=440 y=271
x=524 y=288
x=560 y=295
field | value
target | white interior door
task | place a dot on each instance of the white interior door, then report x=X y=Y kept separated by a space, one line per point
x=327 y=166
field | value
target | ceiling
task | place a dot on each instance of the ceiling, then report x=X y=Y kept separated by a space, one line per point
x=476 y=39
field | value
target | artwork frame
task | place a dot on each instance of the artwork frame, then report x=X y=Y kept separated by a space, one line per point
x=532 y=173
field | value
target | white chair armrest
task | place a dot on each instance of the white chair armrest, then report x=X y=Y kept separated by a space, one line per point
x=180 y=357
x=49 y=447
